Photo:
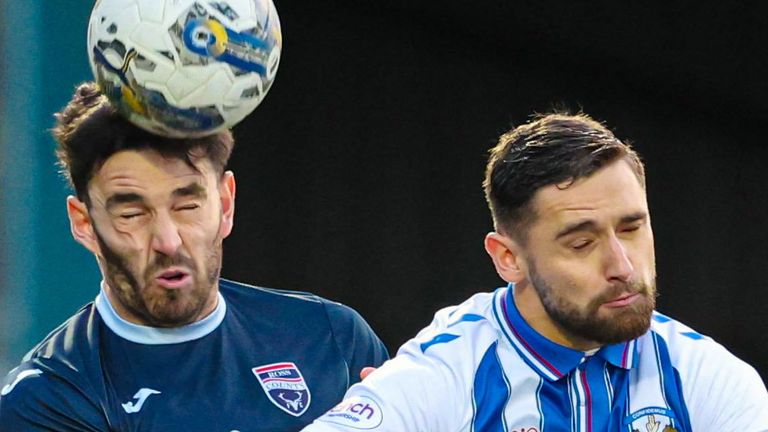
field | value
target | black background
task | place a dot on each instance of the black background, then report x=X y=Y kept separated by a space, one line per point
x=360 y=174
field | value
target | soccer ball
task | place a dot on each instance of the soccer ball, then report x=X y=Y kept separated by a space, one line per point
x=184 y=68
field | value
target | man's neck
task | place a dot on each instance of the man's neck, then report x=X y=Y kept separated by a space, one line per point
x=532 y=310
x=126 y=314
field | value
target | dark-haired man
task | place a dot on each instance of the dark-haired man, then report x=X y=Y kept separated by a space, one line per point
x=167 y=345
x=573 y=342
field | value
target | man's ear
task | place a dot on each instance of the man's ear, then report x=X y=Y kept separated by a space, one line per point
x=507 y=257
x=227 y=188
x=81 y=225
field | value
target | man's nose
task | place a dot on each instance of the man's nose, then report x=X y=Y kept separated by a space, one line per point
x=165 y=236
x=618 y=265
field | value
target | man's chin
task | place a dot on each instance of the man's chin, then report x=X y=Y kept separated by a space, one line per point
x=170 y=319
x=174 y=310
x=625 y=328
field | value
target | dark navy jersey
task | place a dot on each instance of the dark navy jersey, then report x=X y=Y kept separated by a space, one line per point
x=264 y=360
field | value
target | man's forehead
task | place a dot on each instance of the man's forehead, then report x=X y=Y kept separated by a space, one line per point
x=150 y=162
x=611 y=192
x=147 y=172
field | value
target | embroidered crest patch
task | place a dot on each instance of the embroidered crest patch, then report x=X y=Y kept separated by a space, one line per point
x=653 y=419
x=285 y=387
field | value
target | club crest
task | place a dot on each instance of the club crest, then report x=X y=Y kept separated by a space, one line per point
x=285 y=387
x=653 y=419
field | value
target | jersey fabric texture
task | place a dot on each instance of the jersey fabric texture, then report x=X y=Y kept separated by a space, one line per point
x=480 y=367
x=264 y=360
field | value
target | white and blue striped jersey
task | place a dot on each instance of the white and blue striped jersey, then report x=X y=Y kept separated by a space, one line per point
x=480 y=367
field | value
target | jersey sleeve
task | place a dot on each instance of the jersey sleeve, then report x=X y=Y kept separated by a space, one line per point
x=721 y=391
x=355 y=339
x=409 y=392
x=426 y=387
x=726 y=394
x=35 y=398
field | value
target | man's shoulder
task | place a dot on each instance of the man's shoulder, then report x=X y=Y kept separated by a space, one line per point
x=295 y=314
x=458 y=335
x=275 y=304
x=432 y=382
x=69 y=352
x=71 y=341
x=36 y=392
x=56 y=374
x=277 y=300
x=691 y=352
x=679 y=337
x=718 y=387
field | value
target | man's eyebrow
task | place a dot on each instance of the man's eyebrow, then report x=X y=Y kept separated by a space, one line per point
x=586 y=225
x=194 y=190
x=590 y=225
x=633 y=217
x=123 y=198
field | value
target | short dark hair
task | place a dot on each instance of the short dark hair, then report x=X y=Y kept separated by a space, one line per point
x=551 y=149
x=89 y=130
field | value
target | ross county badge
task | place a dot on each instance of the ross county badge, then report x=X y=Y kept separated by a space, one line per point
x=285 y=387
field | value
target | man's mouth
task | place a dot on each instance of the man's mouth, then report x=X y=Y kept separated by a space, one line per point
x=173 y=278
x=623 y=300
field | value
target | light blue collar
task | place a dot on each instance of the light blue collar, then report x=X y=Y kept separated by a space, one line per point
x=158 y=336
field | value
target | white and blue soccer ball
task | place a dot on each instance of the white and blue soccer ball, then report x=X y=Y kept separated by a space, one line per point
x=184 y=68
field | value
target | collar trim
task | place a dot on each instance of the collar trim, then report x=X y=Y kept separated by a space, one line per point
x=542 y=361
x=551 y=360
x=158 y=336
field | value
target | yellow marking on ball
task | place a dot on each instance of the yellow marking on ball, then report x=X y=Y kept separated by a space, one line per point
x=220 y=33
x=130 y=98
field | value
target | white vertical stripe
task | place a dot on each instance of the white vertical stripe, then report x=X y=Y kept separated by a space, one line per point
x=661 y=371
x=523 y=404
x=575 y=413
x=582 y=403
x=509 y=390
x=538 y=403
x=645 y=380
x=474 y=411
x=574 y=404
x=608 y=386
x=630 y=353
